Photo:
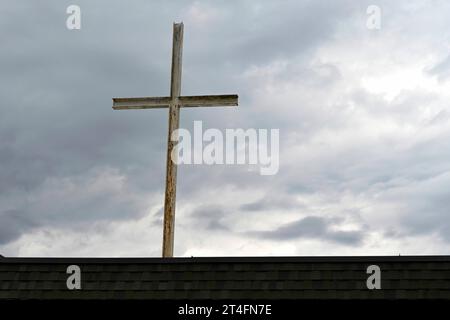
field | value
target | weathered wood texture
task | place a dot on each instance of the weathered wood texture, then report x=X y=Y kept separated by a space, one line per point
x=228 y=100
x=174 y=119
x=141 y=103
x=224 y=100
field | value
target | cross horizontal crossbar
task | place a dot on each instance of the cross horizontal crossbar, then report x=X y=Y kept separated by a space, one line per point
x=225 y=100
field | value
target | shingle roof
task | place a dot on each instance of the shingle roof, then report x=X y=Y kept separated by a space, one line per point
x=402 y=277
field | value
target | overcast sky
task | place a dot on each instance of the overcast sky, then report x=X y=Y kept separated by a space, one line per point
x=363 y=114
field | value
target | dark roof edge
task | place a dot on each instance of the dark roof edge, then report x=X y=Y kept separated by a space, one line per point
x=266 y=259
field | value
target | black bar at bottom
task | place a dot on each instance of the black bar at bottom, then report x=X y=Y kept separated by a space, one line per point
x=225 y=309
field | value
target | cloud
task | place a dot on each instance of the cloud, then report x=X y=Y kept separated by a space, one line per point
x=71 y=202
x=210 y=217
x=271 y=201
x=441 y=70
x=14 y=223
x=312 y=228
x=363 y=119
x=421 y=206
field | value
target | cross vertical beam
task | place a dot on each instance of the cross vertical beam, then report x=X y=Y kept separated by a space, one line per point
x=174 y=120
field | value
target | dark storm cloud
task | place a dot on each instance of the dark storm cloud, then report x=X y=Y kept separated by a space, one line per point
x=272 y=201
x=58 y=87
x=58 y=131
x=13 y=223
x=312 y=228
x=424 y=206
x=264 y=31
x=210 y=217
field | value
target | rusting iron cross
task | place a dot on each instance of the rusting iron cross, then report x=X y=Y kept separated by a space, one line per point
x=174 y=102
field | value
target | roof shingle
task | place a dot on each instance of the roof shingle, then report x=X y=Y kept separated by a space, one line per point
x=405 y=277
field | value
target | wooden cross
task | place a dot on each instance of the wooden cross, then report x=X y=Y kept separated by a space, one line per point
x=174 y=102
